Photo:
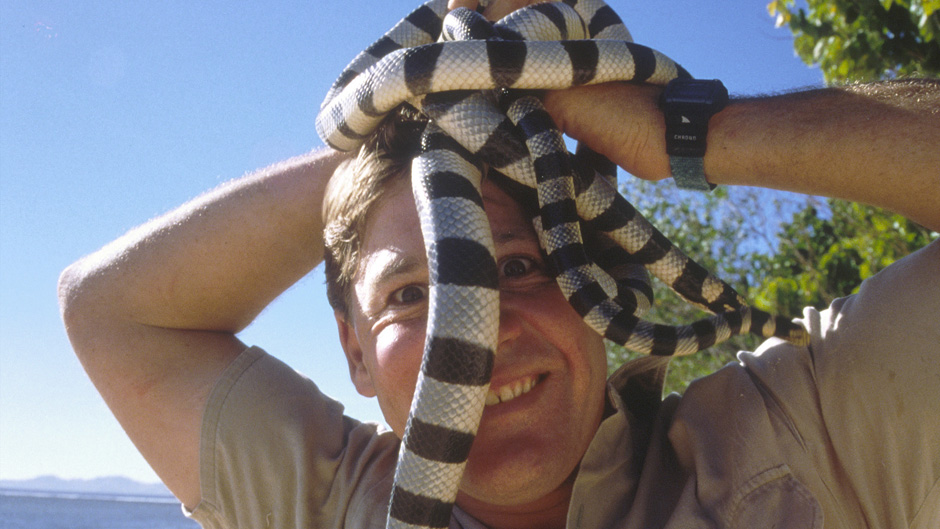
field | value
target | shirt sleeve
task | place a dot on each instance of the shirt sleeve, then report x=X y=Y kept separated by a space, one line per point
x=276 y=452
x=862 y=400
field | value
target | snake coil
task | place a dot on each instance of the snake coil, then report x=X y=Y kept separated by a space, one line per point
x=460 y=71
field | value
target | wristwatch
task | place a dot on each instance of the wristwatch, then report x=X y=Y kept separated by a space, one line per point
x=688 y=104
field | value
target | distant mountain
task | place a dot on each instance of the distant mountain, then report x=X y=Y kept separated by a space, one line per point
x=109 y=485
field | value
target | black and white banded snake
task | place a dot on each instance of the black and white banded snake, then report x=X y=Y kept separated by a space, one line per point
x=461 y=72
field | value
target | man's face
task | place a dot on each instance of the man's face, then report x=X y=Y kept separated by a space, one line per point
x=547 y=390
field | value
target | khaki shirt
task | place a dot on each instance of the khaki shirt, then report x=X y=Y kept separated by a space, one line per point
x=844 y=433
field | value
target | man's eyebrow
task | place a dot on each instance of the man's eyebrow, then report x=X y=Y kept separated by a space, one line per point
x=386 y=269
x=512 y=235
x=505 y=236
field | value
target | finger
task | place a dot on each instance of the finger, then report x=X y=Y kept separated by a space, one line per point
x=454 y=4
x=500 y=8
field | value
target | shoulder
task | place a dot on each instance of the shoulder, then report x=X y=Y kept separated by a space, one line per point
x=271 y=441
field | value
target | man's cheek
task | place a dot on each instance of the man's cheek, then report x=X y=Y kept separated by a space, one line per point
x=398 y=357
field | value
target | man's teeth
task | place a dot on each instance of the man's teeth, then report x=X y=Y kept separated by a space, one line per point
x=510 y=391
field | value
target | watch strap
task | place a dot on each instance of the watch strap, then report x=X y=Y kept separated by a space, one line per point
x=689 y=173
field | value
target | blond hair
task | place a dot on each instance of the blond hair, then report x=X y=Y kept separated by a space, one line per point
x=352 y=195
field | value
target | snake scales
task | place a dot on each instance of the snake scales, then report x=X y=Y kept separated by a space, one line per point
x=460 y=71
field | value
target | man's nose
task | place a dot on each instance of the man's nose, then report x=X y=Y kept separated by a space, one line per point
x=510 y=321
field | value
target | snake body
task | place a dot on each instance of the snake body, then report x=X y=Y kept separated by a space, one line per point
x=461 y=72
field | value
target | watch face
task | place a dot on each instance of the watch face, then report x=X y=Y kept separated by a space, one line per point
x=687 y=106
x=696 y=91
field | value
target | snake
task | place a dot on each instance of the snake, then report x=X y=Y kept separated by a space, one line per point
x=476 y=82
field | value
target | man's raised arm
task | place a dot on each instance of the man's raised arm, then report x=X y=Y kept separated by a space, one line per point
x=873 y=143
x=153 y=315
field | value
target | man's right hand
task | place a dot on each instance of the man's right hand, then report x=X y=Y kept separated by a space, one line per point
x=619 y=120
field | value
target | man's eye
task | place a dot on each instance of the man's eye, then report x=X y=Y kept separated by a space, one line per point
x=409 y=294
x=516 y=267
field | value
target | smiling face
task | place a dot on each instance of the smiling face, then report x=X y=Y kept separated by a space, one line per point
x=547 y=389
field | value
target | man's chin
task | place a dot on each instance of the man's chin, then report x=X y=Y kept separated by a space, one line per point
x=517 y=482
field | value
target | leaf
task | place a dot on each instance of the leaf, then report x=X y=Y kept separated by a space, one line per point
x=930 y=6
x=853 y=40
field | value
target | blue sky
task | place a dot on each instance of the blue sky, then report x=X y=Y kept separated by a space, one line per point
x=114 y=112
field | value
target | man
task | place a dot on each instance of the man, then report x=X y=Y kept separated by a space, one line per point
x=839 y=431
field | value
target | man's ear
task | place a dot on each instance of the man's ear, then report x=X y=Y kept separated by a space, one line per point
x=357 y=368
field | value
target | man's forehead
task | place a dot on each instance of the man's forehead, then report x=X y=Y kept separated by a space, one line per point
x=507 y=219
x=394 y=244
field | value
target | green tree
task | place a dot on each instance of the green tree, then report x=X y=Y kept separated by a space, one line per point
x=782 y=251
x=824 y=255
x=865 y=40
x=725 y=231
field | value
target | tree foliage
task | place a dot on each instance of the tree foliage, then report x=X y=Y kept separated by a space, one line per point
x=865 y=40
x=723 y=231
x=824 y=255
x=783 y=252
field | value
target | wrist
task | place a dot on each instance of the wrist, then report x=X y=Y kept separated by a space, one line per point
x=687 y=106
x=742 y=147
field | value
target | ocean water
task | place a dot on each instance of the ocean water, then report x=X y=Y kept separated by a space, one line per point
x=47 y=511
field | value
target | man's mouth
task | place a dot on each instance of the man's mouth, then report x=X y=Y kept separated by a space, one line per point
x=512 y=390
